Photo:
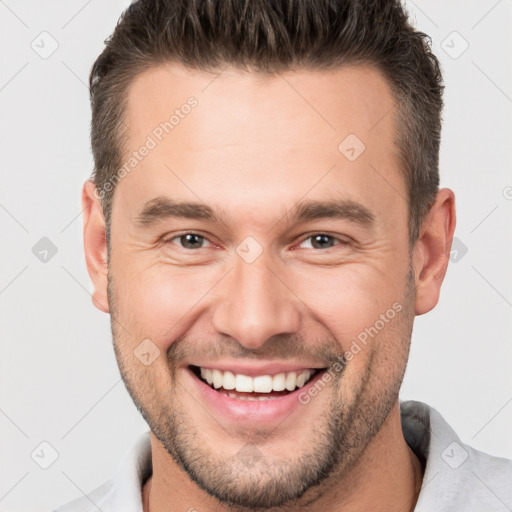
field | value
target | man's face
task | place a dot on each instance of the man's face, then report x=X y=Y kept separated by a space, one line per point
x=263 y=284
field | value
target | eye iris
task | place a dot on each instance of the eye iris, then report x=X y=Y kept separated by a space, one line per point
x=191 y=241
x=321 y=239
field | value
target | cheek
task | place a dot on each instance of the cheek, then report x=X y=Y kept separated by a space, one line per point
x=160 y=302
x=349 y=301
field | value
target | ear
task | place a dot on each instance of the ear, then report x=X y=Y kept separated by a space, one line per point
x=432 y=251
x=95 y=244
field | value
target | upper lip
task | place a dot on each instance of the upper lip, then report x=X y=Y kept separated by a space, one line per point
x=252 y=369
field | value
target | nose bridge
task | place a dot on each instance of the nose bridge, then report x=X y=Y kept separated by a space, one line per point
x=255 y=304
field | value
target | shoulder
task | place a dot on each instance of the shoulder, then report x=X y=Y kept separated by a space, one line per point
x=457 y=476
x=123 y=492
x=89 y=503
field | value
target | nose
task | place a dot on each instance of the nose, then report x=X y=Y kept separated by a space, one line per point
x=255 y=304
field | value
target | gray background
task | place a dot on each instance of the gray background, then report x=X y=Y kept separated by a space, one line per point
x=59 y=379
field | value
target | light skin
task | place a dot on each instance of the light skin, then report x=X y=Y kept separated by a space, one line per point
x=252 y=150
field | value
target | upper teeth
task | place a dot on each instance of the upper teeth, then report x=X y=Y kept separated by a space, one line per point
x=259 y=384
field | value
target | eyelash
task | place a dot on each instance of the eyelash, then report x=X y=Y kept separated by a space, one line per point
x=310 y=236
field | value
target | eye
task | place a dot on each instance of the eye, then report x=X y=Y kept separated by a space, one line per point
x=322 y=241
x=188 y=240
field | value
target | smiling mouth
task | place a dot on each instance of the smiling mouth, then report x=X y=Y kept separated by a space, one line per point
x=262 y=387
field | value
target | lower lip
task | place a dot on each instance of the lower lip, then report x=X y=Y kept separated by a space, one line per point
x=245 y=411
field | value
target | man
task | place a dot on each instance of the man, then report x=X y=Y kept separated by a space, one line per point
x=263 y=224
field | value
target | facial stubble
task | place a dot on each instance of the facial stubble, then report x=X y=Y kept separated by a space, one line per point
x=250 y=478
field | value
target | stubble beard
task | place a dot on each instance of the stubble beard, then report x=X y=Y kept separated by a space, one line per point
x=336 y=439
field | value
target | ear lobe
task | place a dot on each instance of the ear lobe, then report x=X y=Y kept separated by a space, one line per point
x=432 y=251
x=95 y=245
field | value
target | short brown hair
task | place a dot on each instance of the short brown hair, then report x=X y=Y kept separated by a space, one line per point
x=271 y=36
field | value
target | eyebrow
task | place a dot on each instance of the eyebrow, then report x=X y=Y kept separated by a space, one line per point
x=162 y=208
x=344 y=209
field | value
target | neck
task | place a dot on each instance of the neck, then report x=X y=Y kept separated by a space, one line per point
x=387 y=476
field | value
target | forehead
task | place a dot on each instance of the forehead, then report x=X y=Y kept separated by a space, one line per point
x=263 y=134
x=329 y=102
